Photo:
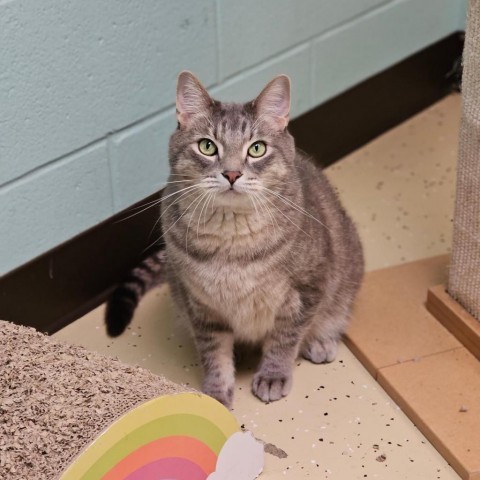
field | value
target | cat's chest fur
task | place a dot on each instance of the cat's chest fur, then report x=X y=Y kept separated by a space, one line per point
x=246 y=294
x=247 y=298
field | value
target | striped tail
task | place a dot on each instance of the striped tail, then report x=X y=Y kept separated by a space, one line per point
x=125 y=298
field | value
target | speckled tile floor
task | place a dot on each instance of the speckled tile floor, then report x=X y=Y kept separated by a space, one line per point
x=400 y=188
x=337 y=423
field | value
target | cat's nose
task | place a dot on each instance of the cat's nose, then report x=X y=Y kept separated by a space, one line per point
x=232 y=177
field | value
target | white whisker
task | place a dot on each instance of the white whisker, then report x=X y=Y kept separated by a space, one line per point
x=157 y=200
x=177 y=181
x=175 y=201
x=204 y=212
x=274 y=222
x=294 y=206
x=174 y=223
x=265 y=208
x=152 y=204
x=251 y=196
x=176 y=192
x=202 y=196
x=288 y=218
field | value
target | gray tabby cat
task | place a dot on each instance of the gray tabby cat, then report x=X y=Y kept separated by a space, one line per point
x=259 y=250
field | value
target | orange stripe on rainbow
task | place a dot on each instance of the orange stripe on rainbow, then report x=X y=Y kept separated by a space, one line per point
x=174 y=446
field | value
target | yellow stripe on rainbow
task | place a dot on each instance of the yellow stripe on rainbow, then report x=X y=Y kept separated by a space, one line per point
x=186 y=415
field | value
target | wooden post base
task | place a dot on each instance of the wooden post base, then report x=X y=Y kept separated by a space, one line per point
x=455 y=318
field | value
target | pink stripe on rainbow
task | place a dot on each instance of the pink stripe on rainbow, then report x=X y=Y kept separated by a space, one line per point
x=169 y=469
x=178 y=447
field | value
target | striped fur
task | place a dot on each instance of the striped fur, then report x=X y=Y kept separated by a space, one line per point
x=271 y=260
x=124 y=300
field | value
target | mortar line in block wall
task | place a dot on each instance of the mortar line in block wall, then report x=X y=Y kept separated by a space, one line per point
x=113 y=195
x=265 y=63
x=164 y=111
x=311 y=93
x=270 y=59
x=170 y=109
x=45 y=166
x=219 y=42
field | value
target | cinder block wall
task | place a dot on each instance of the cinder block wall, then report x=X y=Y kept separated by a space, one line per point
x=87 y=88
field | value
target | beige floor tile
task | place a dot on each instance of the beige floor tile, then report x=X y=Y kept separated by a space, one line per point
x=390 y=323
x=399 y=190
x=392 y=327
x=442 y=394
x=335 y=424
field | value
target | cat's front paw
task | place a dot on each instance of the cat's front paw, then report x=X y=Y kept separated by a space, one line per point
x=320 y=350
x=223 y=394
x=271 y=385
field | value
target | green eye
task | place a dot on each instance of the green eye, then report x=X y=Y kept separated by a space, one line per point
x=207 y=147
x=257 y=149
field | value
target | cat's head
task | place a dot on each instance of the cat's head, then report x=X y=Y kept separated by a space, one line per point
x=235 y=150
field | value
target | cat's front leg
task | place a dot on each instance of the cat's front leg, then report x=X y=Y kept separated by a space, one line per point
x=215 y=348
x=273 y=379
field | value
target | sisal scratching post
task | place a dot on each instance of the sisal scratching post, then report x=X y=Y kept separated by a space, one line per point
x=464 y=279
x=458 y=308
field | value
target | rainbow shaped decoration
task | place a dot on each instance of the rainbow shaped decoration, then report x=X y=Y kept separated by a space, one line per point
x=176 y=437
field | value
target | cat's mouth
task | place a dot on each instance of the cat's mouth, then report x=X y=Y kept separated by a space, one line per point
x=233 y=198
x=232 y=191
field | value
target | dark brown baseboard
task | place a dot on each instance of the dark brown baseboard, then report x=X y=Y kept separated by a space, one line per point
x=60 y=286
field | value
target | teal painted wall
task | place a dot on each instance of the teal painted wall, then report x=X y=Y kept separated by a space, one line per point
x=87 y=88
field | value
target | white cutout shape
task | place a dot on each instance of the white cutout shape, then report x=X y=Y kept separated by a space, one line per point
x=241 y=458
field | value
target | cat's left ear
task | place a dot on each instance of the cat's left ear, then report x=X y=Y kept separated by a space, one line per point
x=273 y=103
x=192 y=98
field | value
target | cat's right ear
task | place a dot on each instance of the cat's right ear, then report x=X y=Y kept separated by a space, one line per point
x=273 y=103
x=192 y=98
